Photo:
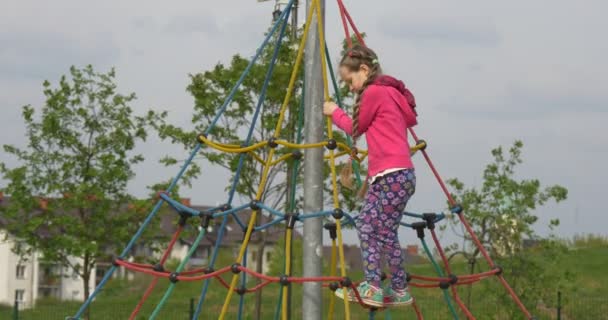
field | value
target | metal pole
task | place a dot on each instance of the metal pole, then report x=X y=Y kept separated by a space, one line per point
x=313 y=171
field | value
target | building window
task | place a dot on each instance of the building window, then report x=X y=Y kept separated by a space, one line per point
x=20 y=274
x=268 y=256
x=19 y=295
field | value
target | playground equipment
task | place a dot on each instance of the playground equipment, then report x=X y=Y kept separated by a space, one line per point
x=447 y=281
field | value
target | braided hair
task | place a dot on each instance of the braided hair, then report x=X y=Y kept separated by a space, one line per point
x=354 y=58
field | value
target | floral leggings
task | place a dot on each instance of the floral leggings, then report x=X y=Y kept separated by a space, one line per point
x=378 y=223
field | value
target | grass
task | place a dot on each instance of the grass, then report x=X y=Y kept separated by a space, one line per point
x=117 y=300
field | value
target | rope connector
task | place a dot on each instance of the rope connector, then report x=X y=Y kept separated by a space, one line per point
x=430 y=220
x=208 y=270
x=408 y=277
x=290 y=220
x=346 y=282
x=419 y=227
x=201 y=138
x=115 y=261
x=241 y=291
x=205 y=220
x=254 y=205
x=173 y=277
x=338 y=214
x=272 y=142
x=422 y=144
x=334 y=286
x=183 y=218
x=284 y=280
x=158 y=268
x=226 y=207
x=331 y=144
x=444 y=285
x=296 y=155
x=457 y=209
x=331 y=227
x=499 y=272
x=453 y=278
x=235 y=268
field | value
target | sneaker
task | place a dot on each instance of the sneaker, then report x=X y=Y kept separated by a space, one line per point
x=369 y=295
x=351 y=294
x=393 y=298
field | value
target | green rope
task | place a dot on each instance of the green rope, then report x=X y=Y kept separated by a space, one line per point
x=356 y=165
x=446 y=296
x=179 y=269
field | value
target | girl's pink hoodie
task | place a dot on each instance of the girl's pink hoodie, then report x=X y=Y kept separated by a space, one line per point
x=384 y=117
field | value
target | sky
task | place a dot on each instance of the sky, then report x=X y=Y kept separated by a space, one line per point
x=484 y=73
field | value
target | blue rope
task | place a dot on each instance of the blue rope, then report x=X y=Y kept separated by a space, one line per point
x=199 y=305
x=271 y=210
x=238 y=220
x=180 y=207
x=275 y=55
x=237 y=175
x=231 y=211
x=372 y=315
x=314 y=215
x=138 y=234
x=285 y=12
x=269 y=224
x=420 y=216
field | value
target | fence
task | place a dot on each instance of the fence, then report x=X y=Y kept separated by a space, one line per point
x=571 y=307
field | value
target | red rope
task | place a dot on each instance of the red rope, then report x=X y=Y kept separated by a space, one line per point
x=417 y=309
x=344 y=13
x=155 y=280
x=349 y=41
x=449 y=270
x=514 y=296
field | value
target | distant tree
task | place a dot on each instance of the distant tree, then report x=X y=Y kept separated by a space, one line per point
x=68 y=193
x=502 y=214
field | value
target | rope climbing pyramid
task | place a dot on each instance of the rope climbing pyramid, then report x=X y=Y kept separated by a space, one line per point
x=445 y=279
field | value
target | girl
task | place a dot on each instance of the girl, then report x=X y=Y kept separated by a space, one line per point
x=383 y=110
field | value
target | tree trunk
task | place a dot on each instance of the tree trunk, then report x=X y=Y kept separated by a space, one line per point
x=86 y=276
x=472 y=263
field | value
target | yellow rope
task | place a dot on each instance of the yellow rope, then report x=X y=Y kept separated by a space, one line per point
x=332 y=160
x=332 y=272
x=287 y=272
x=268 y=161
x=257 y=157
x=281 y=159
x=232 y=148
x=302 y=145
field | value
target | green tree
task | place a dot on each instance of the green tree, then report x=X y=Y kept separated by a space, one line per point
x=68 y=193
x=502 y=215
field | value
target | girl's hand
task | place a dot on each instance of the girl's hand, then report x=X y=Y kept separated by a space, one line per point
x=329 y=108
